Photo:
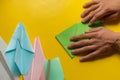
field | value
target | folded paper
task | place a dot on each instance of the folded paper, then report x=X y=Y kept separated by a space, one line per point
x=37 y=68
x=5 y=73
x=19 y=53
x=53 y=69
x=77 y=29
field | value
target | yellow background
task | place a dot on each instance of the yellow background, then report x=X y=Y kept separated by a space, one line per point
x=47 y=18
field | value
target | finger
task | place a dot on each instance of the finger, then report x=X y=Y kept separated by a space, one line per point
x=110 y=17
x=83 y=36
x=90 y=56
x=86 y=5
x=93 y=54
x=82 y=43
x=98 y=16
x=94 y=30
x=84 y=49
x=87 y=11
x=91 y=15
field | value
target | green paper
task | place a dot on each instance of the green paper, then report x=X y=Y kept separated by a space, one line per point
x=53 y=69
x=77 y=29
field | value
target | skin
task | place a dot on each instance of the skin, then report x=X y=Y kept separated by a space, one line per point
x=104 y=10
x=98 y=42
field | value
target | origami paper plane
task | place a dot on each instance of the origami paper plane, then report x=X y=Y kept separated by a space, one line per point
x=37 y=68
x=77 y=29
x=5 y=73
x=53 y=69
x=19 y=53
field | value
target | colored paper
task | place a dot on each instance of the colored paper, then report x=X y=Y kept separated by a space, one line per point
x=53 y=69
x=19 y=53
x=21 y=77
x=37 y=68
x=77 y=29
x=5 y=73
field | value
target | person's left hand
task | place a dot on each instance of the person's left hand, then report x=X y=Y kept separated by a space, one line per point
x=98 y=42
x=104 y=10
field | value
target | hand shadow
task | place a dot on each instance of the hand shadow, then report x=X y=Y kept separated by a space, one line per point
x=114 y=22
x=97 y=57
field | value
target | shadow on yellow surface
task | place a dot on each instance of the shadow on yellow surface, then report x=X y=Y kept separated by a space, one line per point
x=46 y=18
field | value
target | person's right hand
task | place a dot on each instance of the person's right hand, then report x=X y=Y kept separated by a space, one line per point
x=99 y=42
x=105 y=10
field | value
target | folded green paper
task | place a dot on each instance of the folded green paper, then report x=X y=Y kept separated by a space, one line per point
x=77 y=29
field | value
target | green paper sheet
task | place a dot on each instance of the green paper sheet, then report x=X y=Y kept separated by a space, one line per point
x=77 y=29
x=53 y=69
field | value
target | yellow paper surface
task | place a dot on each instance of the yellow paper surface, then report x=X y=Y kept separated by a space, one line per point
x=47 y=18
x=21 y=77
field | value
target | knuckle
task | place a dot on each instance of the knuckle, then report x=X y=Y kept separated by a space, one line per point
x=90 y=47
x=87 y=48
x=94 y=46
x=92 y=41
x=88 y=36
x=91 y=15
x=97 y=41
x=96 y=16
x=95 y=35
x=107 y=9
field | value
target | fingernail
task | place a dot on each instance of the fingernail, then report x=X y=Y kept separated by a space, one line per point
x=84 y=6
x=72 y=51
x=83 y=20
x=90 y=24
x=82 y=15
x=72 y=38
x=81 y=60
x=69 y=46
x=87 y=31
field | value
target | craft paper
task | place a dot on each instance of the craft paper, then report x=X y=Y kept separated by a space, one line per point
x=19 y=53
x=77 y=29
x=53 y=69
x=37 y=68
x=5 y=73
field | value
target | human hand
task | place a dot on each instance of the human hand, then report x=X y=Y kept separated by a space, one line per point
x=104 y=10
x=98 y=42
